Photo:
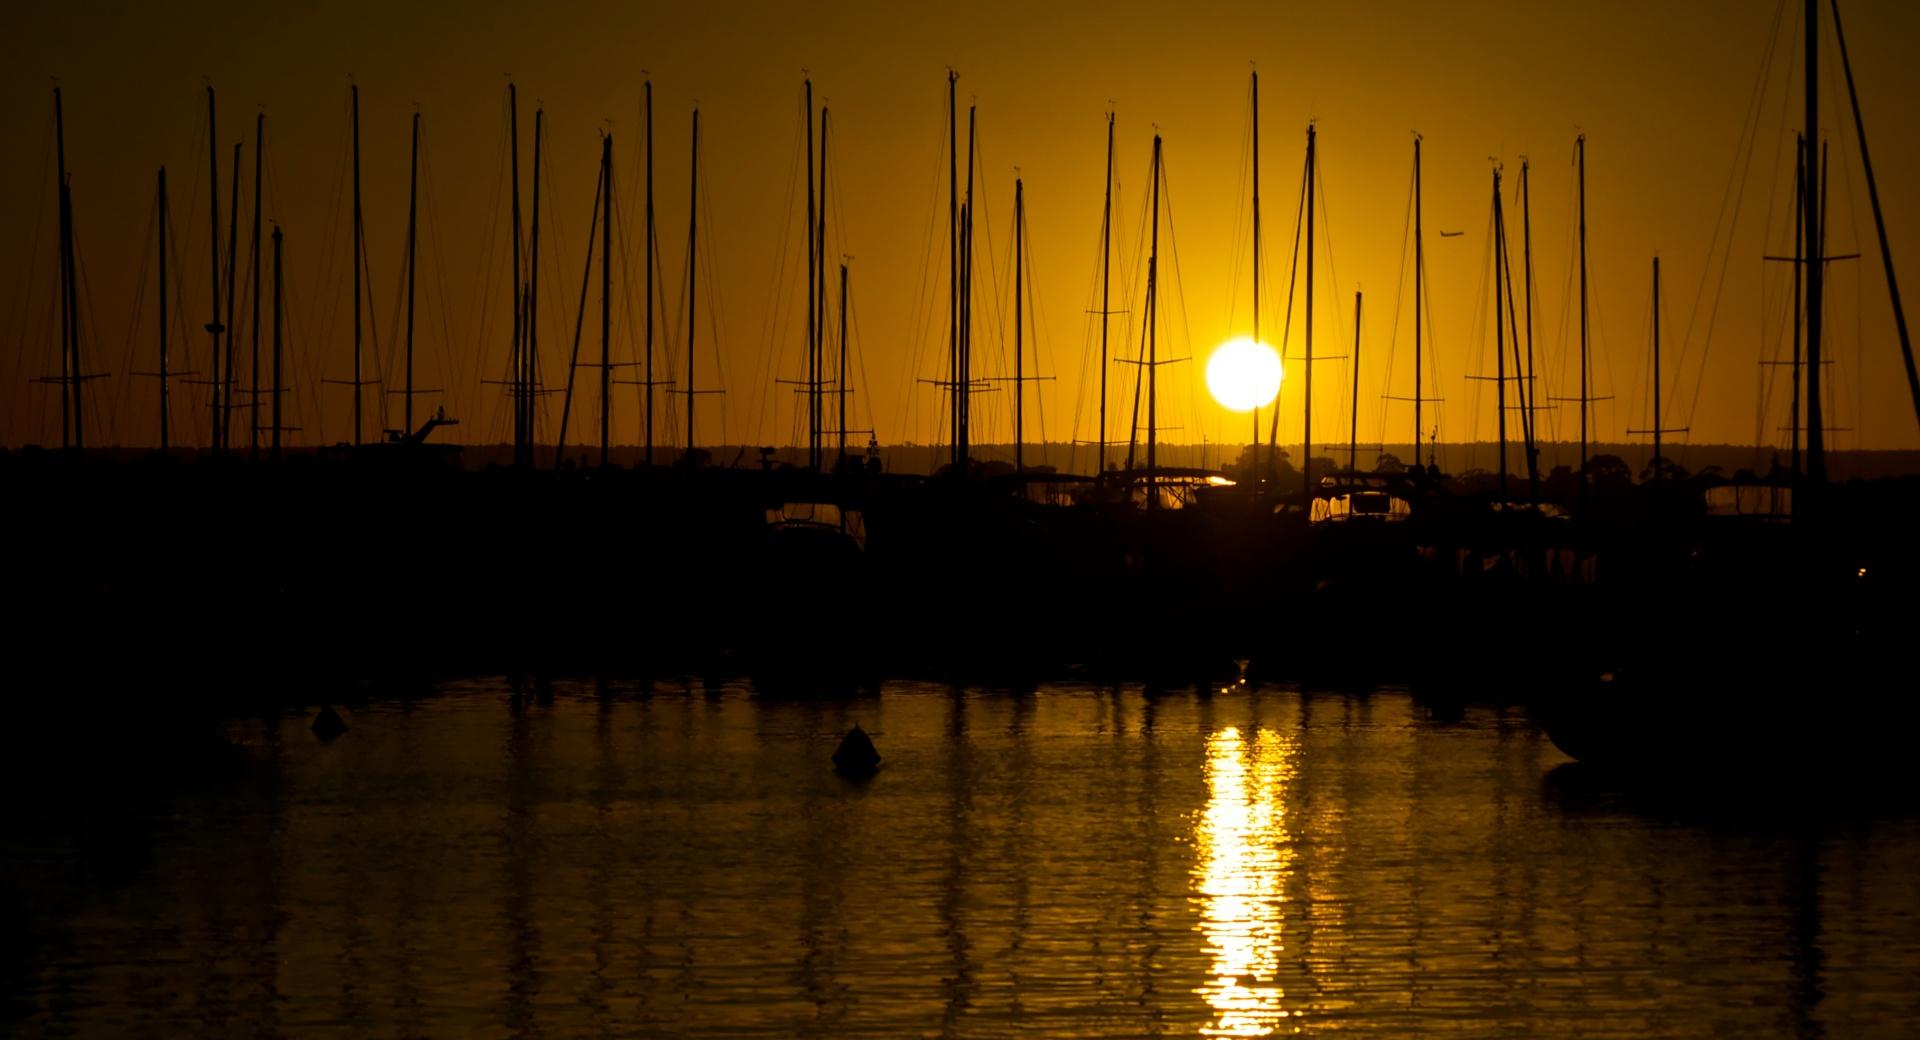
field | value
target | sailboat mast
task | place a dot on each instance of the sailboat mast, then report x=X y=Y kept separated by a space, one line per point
x=1153 y=357
x=1353 y=427
x=693 y=270
x=165 y=399
x=1816 y=262
x=253 y=366
x=1499 y=331
x=1106 y=258
x=359 y=257
x=223 y=387
x=517 y=384
x=530 y=353
x=967 y=214
x=817 y=386
x=1256 y=261
x=1419 y=276
x=1531 y=388
x=1658 y=456
x=813 y=298
x=843 y=364
x=1799 y=261
x=1306 y=426
x=606 y=299
x=214 y=328
x=413 y=249
x=1879 y=220
x=69 y=353
x=649 y=248
x=1019 y=372
x=955 y=448
x=1580 y=152
x=279 y=285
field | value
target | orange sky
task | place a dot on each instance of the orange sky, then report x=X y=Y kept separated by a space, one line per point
x=1660 y=90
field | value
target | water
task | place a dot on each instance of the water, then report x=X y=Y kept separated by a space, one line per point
x=1073 y=861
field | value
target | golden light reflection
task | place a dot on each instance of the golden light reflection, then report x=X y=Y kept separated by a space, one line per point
x=1246 y=858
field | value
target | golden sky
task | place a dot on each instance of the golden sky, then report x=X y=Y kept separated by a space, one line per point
x=1662 y=92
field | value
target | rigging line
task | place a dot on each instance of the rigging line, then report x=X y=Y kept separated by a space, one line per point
x=859 y=354
x=1089 y=337
x=1333 y=271
x=123 y=397
x=1286 y=317
x=33 y=267
x=453 y=372
x=1399 y=298
x=1856 y=380
x=714 y=309
x=1180 y=291
x=1479 y=334
x=1744 y=145
x=1243 y=206
x=1038 y=323
x=84 y=283
x=776 y=318
x=922 y=316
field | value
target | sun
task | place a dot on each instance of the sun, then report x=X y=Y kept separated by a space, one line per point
x=1243 y=375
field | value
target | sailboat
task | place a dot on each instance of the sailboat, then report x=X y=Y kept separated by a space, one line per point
x=1815 y=701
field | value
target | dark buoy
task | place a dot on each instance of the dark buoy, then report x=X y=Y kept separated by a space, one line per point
x=856 y=756
x=328 y=724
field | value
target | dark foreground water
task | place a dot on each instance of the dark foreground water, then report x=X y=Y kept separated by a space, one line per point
x=1074 y=861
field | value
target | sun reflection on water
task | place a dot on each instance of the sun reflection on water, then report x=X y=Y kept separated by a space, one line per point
x=1245 y=860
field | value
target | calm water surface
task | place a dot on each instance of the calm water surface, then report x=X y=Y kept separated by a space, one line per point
x=668 y=860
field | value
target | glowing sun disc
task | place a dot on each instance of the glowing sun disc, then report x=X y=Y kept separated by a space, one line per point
x=1243 y=375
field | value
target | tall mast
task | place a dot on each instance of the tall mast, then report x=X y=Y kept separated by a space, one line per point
x=1019 y=372
x=1580 y=150
x=1419 y=299
x=600 y=174
x=1256 y=261
x=1306 y=426
x=1799 y=261
x=956 y=449
x=253 y=366
x=69 y=333
x=1353 y=427
x=359 y=256
x=693 y=270
x=1153 y=320
x=1879 y=221
x=1106 y=256
x=165 y=398
x=1816 y=275
x=606 y=299
x=214 y=328
x=530 y=355
x=517 y=388
x=223 y=386
x=1658 y=456
x=413 y=249
x=1499 y=330
x=843 y=364
x=1531 y=389
x=279 y=285
x=813 y=298
x=649 y=249
x=967 y=213
x=818 y=404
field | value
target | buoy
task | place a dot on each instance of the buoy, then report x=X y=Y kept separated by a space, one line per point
x=328 y=724
x=856 y=756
